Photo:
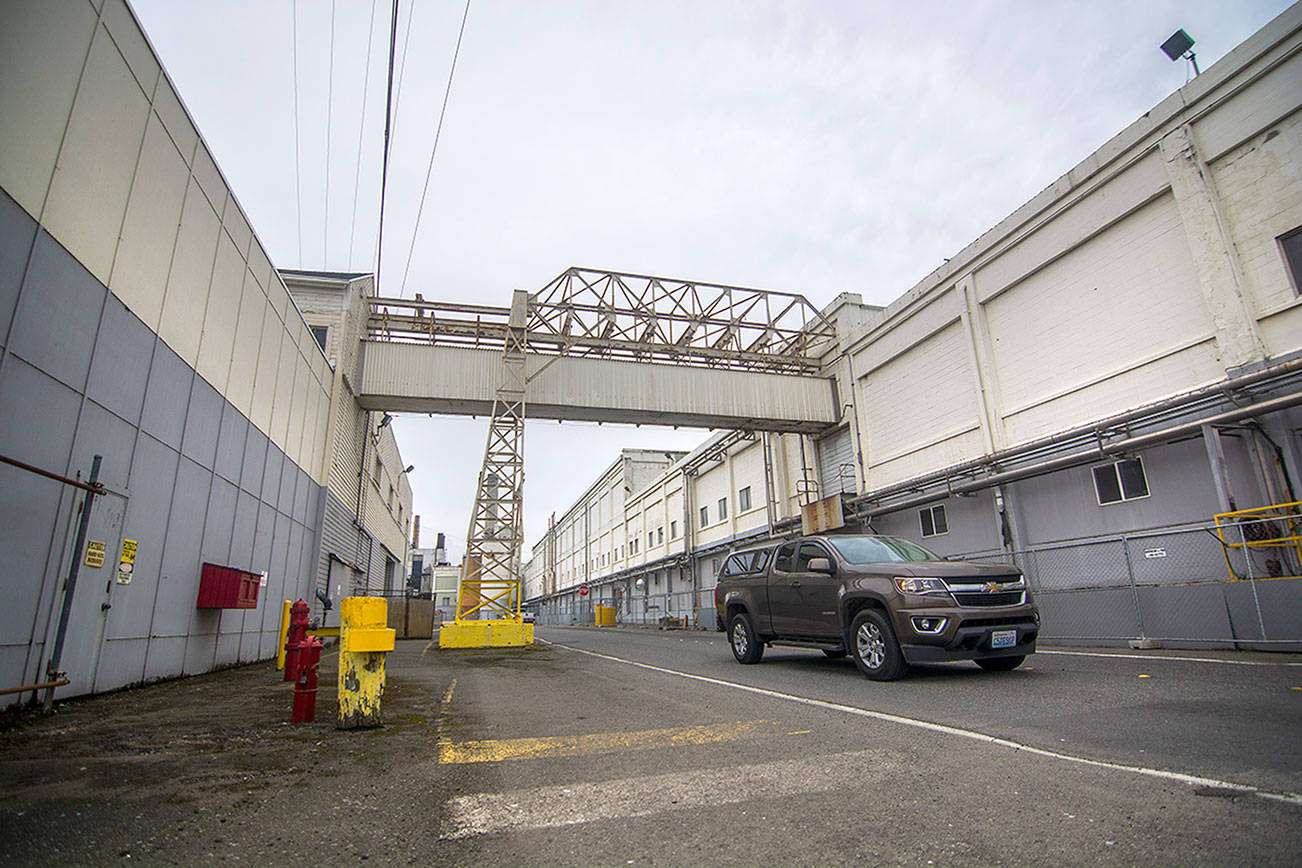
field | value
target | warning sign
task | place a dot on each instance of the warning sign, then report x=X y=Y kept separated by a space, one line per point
x=95 y=552
x=127 y=563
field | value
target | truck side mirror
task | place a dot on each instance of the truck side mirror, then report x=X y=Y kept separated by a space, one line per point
x=820 y=565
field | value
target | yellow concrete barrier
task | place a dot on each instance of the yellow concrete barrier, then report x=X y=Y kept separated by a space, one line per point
x=499 y=633
x=605 y=616
x=363 y=641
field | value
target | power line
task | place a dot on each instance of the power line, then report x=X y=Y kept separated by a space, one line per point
x=330 y=104
x=402 y=64
x=298 y=173
x=388 y=116
x=361 y=131
x=437 y=132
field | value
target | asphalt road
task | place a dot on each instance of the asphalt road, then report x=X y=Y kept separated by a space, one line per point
x=636 y=747
x=1153 y=758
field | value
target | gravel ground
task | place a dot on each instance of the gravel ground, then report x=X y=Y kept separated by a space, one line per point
x=210 y=768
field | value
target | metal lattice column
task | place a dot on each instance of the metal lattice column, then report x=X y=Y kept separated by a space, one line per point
x=490 y=585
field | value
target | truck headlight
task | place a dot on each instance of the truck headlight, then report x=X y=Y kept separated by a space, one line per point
x=912 y=585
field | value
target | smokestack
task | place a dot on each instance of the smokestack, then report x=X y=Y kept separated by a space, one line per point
x=440 y=552
x=415 y=532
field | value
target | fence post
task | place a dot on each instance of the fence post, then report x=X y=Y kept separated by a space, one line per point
x=1252 y=580
x=1134 y=591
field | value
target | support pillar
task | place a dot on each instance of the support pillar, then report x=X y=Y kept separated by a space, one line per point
x=363 y=641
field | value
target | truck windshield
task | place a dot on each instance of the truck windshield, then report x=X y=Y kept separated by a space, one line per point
x=880 y=549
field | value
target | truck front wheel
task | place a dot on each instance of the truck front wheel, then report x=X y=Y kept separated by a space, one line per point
x=746 y=646
x=873 y=646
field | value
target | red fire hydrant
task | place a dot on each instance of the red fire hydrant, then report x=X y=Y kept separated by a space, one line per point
x=305 y=685
x=295 y=639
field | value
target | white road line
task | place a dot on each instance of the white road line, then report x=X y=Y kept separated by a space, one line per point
x=1167 y=657
x=1195 y=780
x=572 y=804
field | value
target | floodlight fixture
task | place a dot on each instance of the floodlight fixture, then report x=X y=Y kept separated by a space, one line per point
x=384 y=421
x=1179 y=45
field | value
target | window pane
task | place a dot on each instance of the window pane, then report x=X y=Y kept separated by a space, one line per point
x=1291 y=244
x=938 y=518
x=743 y=499
x=1133 y=483
x=924 y=516
x=705 y=516
x=723 y=509
x=1105 y=483
x=784 y=558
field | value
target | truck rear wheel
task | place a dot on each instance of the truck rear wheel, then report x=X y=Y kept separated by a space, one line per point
x=746 y=646
x=873 y=646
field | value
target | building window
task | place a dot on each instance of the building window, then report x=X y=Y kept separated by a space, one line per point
x=933 y=520
x=1290 y=244
x=650 y=538
x=1124 y=480
x=723 y=508
x=705 y=516
x=660 y=535
x=319 y=332
x=673 y=530
x=743 y=499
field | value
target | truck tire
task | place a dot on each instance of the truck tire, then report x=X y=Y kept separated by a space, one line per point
x=1001 y=664
x=874 y=648
x=746 y=646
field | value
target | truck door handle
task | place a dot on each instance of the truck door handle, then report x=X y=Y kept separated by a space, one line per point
x=794 y=584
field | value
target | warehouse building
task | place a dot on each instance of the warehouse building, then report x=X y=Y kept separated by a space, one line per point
x=141 y=321
x=1088 y=385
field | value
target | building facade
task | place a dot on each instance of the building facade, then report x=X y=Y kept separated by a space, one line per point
x=1088 y=385
x=144 y=331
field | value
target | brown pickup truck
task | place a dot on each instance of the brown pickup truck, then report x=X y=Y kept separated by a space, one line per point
x=886 y=601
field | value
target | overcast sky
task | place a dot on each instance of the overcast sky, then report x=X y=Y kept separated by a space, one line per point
x=814 y=146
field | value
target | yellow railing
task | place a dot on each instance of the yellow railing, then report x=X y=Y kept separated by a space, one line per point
x=1278 y=526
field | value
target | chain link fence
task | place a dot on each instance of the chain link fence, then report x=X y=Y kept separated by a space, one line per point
x=1235 y=585
x=679 y=610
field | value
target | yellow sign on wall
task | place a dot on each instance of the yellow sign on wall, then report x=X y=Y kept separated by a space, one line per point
x=95 y=552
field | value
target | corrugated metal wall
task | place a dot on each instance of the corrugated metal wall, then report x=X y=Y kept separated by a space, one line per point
x=836 y=463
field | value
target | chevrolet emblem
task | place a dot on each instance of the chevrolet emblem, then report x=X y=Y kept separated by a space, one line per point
x=991 y=587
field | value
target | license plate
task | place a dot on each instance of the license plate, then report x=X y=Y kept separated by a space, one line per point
x=1003 y=639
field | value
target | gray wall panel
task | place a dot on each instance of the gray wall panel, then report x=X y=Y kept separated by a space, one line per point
x=99 y=432
x=16 y=233
x=58 y=314
x=39 y=419
x=230 y=444
x=178 y=588
x=288 y=484
x=121 y=662
x=270 y=492
x=167 y=396
x=246 y=518
x=119 y=369
x=227 y=651
x=202 y=423
x=166 y=657
x=219 y=523
x=302 y=497
x=153 y=476
x=200 y=647
x=255 y=459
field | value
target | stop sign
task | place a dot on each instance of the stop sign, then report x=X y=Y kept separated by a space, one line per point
x=583 y=590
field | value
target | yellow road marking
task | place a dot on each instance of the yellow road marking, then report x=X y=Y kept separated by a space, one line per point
x=579 y=745
x=801 y=732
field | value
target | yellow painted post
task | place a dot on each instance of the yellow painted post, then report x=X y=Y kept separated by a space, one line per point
x=363 y=641
x=284 y=636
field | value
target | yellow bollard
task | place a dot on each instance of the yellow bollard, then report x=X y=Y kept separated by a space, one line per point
x=284 y=636
x=363 y=641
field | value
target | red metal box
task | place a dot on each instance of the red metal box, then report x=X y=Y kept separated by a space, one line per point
x=228 y=588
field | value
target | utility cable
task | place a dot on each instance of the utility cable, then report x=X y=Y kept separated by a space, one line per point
x=388 y=117
x=330 y=104
x=361 y=132
x=433 y=150
x=402 y=65
x=298 y=186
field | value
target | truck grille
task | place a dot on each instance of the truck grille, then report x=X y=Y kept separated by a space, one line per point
x=998 y=598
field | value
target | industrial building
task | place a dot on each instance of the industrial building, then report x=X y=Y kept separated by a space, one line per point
x=1082 y=389
x=141 y=321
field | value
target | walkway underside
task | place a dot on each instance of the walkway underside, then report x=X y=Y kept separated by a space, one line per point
x=424 y=378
